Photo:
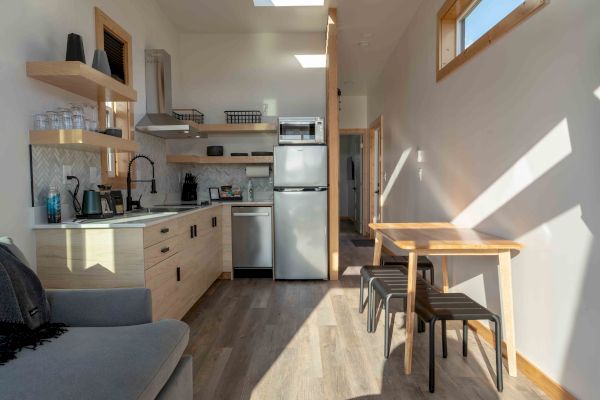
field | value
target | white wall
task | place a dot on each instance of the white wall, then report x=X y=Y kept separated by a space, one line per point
x=244 y=71
x=37 y=30
x=511 y=137
x=353 y=113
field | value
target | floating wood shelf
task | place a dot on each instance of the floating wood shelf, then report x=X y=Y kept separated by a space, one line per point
x=79 y=139
x=81 y=79
x=234 y=128
x=192 y=159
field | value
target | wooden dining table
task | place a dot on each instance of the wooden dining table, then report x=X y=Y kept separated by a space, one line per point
x=446 y=239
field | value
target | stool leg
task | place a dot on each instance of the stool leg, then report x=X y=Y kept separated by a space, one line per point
x=498 y=327
x=465 y=338
x=444 y=340
x=432 y=276
x=361 y=303
x=432 y=355
x=386 y=345
x=371 y=308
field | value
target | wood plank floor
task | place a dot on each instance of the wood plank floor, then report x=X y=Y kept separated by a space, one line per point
x=260 y=339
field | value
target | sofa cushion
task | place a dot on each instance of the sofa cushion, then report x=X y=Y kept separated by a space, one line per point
x=127 y=362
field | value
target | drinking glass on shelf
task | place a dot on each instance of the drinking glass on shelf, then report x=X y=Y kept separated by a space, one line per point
x=40 y=122
x=78 y=122
x=53 y=120
x=65 y=118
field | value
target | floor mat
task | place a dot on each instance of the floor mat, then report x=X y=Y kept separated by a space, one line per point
x=363 y=242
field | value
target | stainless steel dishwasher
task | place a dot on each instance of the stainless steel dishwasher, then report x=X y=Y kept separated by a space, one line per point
x=252 y=241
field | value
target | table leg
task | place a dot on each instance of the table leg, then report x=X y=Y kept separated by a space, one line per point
x=505 y=275
x=445 y=274
x=377 y=251
x=410 y=309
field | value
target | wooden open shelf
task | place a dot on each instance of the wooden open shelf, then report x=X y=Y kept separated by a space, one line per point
x=81 y=79
x=192 y=159
x=234 y=128
x=79 y=139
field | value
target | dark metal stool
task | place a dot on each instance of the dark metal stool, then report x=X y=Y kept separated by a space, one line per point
x=369 y=273
x=433 y=306
x=423 y=264
x=388 y=289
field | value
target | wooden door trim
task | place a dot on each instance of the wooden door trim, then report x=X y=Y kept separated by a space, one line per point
x=333 y=142
x=377 y=123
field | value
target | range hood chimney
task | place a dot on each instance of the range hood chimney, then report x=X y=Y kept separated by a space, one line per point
x=158 y=120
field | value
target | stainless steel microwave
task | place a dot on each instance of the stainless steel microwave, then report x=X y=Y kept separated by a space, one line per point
x=301 y=130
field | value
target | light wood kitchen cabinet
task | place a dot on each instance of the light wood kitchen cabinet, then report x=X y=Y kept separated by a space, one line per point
x=178 y=259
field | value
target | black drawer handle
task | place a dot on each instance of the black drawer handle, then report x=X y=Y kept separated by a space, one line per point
x=165 y=250
x=164 y=230
x=192 y=231
x=195 y=230
x=178 y=274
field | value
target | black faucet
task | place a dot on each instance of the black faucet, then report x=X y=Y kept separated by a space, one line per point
x=130 y=202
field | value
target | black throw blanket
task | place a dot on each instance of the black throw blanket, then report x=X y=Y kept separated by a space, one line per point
x=24 y=309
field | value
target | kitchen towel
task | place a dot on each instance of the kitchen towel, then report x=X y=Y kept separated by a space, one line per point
x=257 y=171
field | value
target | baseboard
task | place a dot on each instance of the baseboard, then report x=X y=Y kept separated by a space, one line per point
x=548 y=385
x=225 y=276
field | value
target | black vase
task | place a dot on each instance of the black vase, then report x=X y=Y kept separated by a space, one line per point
x=75 y=48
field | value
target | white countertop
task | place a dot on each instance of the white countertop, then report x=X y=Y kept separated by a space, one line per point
x=140 y=220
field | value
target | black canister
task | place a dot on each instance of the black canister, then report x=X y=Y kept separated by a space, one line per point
x=75 y=50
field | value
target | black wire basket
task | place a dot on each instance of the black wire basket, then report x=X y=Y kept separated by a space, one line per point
x=243 y=117
x=189 y=114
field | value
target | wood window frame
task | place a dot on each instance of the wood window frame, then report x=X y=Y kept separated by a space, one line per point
x=448 y=18
x=122 y=111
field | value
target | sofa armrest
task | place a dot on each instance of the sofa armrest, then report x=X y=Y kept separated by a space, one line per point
x=100 y=307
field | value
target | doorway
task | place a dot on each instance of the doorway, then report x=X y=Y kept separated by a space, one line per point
x=351 y=183
x=375 y=171
x=354 y=180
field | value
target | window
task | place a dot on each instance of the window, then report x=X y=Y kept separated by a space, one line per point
x=465 y=27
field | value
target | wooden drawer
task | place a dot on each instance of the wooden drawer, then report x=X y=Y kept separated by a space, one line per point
x=160 y=251
x=161 y=279
x=160 y=232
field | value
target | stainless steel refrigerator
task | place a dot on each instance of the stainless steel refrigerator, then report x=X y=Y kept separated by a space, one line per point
x=300 y=212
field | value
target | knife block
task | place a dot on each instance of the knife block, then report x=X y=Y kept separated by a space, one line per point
x=189 y=192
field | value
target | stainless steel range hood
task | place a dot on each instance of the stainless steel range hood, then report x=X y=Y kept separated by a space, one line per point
x=158 y=120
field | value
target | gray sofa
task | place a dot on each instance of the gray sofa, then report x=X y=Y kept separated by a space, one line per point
x=112 y=350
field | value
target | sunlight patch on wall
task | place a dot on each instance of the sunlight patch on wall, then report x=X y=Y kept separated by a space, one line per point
x=557 y=269
x=394 y=176
x=547 y=153
x=597 y=93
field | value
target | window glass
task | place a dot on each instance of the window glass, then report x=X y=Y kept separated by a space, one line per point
x=483 y=17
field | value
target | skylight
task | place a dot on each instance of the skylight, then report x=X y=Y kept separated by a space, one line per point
x=288 y=3
x=312 y=60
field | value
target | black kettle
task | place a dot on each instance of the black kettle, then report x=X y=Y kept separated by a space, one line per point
x=97 y=205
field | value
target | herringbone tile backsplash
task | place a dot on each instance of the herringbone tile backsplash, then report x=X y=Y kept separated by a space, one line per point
x=48 y=164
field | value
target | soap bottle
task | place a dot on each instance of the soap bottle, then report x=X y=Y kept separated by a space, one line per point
x=53 y=206
x=250 y=191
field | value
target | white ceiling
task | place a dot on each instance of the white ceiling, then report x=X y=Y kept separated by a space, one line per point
x=380 y=22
